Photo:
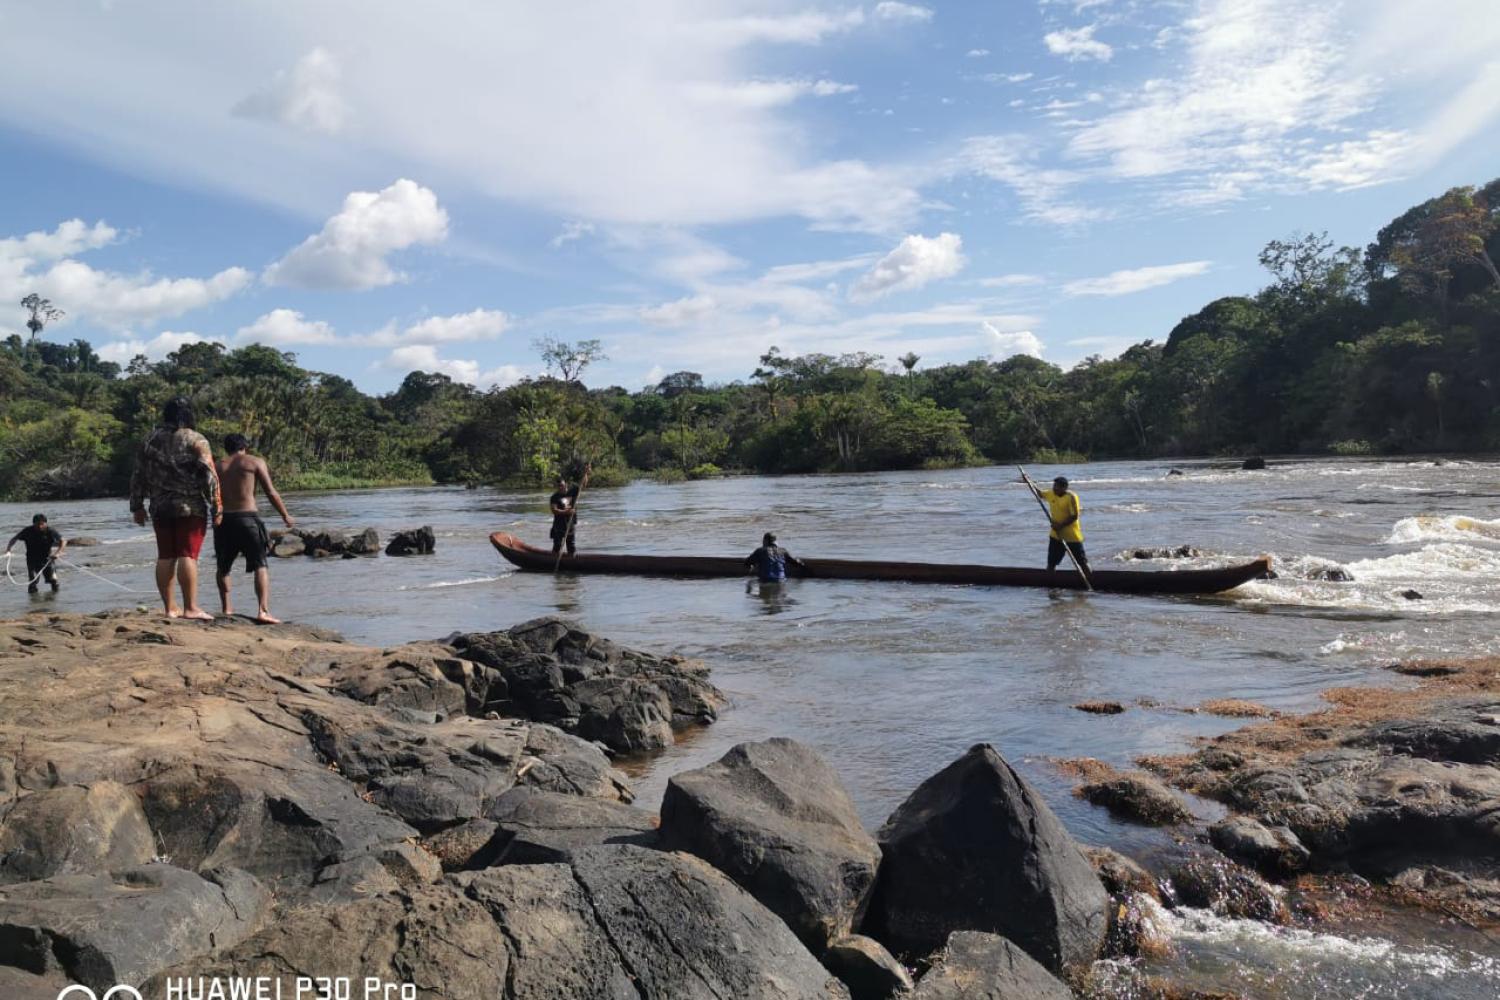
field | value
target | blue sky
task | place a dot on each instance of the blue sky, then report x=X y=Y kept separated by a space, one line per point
x=380 y=187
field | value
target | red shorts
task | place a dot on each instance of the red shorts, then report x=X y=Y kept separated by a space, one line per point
x=179 y=537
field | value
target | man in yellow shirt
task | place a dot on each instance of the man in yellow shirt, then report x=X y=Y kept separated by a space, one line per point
x=1064 y=508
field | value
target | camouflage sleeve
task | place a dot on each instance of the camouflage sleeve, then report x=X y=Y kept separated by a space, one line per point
x=138 y=482
x=213 y=501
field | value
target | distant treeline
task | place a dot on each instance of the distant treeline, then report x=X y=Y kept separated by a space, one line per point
x=1392 y=349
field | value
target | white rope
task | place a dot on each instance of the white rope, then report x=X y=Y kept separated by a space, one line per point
x=65 y=562
x=96 y=576
x=18 y=583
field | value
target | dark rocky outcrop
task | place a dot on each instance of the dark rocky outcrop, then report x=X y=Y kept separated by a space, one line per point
x=554 y=672
x=976 y=848
x=866 y=968
x=82 y=541
x=533 y=826
x=412 y=542
x=100 y=930
x=326 y=542
x=288 y=545
x=978 y=966
x=1253 y=464
x=775 y=817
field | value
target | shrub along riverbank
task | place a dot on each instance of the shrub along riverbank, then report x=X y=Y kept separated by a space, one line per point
x=1392 y=349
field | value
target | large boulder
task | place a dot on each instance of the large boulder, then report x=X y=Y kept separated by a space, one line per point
x=288 y=545
x=977 y=966
x=774 y=817
x=69 y=830
x=627 y=923
x=100 y=930
x=533 y=826
x=1274 y=851
x=976 y=848
x=366 y=543
x=413 y=542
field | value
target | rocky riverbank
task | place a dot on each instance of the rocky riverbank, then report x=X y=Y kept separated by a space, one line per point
x=189 y=803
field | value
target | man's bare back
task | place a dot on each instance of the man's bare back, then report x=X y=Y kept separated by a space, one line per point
x=239 y=474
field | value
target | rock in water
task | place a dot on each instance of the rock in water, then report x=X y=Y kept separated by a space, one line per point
x=863 y=965
x=68 y=830
x=1253 y=464
x=365 y=543
x=82 y=541
x=289 y=545
x=976 y=966
x=1220 y=885
x=1137 y=796
x=1274 y=851
x=774 y=817
x=100 y=930
x=976 y=848
x=413 y=542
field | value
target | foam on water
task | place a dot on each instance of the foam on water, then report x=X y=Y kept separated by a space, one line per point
x=1252 y=939
x=440 y=584
x=1443 y=528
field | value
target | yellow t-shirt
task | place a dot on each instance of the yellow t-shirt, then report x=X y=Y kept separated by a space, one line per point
x=1064 y=507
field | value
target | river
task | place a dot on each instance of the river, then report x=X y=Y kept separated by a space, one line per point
x=891 y=681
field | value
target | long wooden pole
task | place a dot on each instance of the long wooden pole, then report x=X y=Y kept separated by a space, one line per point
x=1048 y=511
x=572 y=516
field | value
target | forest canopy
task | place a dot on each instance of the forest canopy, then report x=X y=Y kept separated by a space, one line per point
x=1390 y=349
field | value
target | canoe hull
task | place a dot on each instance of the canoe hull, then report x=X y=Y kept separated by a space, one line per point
x=1189 y=581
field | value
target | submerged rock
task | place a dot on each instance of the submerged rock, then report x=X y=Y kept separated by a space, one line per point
x=775 y=817
x=977 y=966
x=1253 y=464
x=976 y=848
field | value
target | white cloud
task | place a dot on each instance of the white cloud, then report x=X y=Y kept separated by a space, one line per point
x=69 y=238
x=42 y=262
x=350 y=252
x=1012 y=281
x=1137 y=279
x=571 y=231
x=424 y=357
x=480 y=324
x=768 y=93
x=122 y=352
x=902 y=13
x=306 y=97
x=916 y=261
x=285 y=327
x=605 y=129
x=1075 y=44
x=977 y=53
x=1042 y=191
x=1008 y=343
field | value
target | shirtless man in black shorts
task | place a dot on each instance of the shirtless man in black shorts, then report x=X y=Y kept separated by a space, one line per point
x=243 y=533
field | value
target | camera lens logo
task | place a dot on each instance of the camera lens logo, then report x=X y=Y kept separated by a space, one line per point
x=120 y=992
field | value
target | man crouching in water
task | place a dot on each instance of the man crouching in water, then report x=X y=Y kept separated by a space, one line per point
x=243 y=533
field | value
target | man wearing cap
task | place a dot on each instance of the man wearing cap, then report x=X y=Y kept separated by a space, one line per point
x=769 y=561
x=1064 y=507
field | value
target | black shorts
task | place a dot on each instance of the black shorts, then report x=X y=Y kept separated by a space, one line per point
x=243 y=533
x=1056 y=552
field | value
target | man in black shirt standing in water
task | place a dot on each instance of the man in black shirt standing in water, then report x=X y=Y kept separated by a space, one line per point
x=39 y=539
x=564 y=504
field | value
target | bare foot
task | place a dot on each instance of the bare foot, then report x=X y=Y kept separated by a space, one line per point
x=266 y=618
x=173 y=613
x=198 y=615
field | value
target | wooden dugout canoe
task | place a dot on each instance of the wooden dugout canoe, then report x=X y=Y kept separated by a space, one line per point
x=1186 y=581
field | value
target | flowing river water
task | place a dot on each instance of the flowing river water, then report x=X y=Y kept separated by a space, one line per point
x=892 y=681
